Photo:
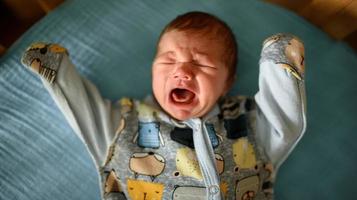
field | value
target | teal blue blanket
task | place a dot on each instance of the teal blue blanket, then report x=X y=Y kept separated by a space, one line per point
x=112 y=43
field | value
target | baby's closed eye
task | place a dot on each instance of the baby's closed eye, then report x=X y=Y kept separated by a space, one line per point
x=165 y=61
x=203 y=64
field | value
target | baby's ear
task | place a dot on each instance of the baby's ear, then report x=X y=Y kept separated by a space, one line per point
x=229 y=84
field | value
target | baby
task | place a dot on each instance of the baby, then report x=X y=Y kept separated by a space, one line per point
x=188 y=141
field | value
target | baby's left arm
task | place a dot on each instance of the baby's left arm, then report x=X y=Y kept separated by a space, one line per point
x=281 y=119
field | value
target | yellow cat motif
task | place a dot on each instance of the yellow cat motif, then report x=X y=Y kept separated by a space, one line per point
x=142 y=190
x=244 y=154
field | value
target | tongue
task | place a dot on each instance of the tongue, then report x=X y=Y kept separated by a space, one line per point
x=182 y=95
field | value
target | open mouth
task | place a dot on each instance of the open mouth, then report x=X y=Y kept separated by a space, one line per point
x=182 y=96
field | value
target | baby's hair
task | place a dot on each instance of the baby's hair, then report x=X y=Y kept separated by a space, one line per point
x=207 y=24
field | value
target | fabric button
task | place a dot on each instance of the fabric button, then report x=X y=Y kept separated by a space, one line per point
x=213 y=189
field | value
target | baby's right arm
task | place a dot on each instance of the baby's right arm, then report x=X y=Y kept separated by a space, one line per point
x=92 y=118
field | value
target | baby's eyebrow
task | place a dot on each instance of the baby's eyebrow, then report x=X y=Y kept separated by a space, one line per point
x=168 y=53
x=202 y=56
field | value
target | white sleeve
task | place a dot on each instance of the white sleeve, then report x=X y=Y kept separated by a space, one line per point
x=92 y=118
x=281 y=114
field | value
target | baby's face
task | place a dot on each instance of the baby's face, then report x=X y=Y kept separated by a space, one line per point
x=189 y=74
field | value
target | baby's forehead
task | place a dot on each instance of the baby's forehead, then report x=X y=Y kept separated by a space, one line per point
x=195 y=34
x=200 y=38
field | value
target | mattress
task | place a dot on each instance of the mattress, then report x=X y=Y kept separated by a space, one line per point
x=112 y=43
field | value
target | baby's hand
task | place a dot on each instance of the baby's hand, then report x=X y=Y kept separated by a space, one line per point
x=44 y=59
x=286 y=50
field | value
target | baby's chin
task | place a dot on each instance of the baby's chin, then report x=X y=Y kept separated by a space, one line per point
x=181 y=115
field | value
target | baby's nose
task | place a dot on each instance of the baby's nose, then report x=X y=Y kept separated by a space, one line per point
x=183 y=72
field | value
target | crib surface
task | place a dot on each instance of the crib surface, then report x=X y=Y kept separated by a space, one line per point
x=112 y=43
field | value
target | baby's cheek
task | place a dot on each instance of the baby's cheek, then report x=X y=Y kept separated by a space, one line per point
x=157 y=88
x=213 y=88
